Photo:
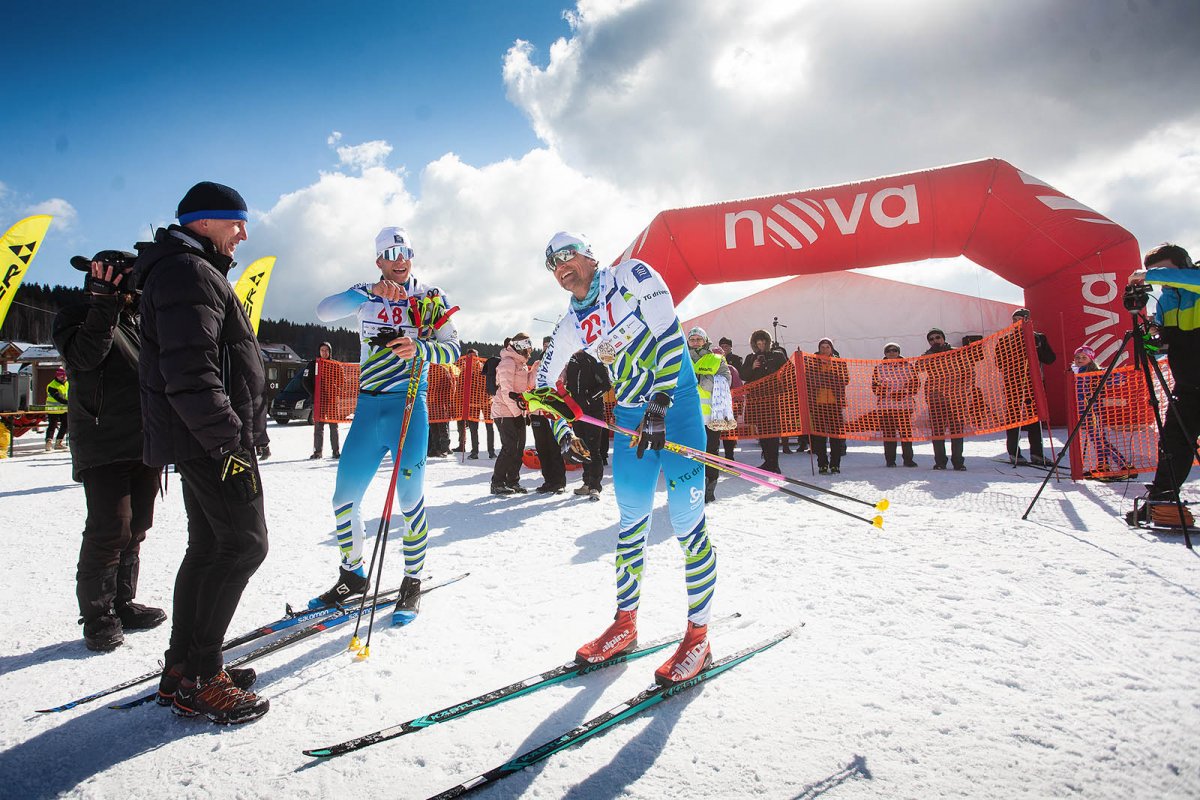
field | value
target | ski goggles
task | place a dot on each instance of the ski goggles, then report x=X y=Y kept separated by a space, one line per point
x=562 y=256
x=396 y=253
x=521 y=344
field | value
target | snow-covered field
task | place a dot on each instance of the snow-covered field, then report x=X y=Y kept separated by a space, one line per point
x=961 y=652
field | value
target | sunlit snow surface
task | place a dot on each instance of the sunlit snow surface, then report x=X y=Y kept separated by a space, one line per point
x=961 y=652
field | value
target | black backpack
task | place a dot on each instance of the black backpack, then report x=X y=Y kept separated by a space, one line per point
x=489 y=376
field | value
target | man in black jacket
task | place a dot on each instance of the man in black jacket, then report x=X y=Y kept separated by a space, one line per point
x=202 y=381
x=764 y=359
x=99 y=343
x=587 y=380
x=949 y=382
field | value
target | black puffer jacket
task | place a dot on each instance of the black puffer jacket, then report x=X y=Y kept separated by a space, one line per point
x=201 y=369
x=99 y=343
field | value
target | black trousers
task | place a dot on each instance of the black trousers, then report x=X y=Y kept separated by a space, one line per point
x=836 y=448
x=942 y=419
x=729 y=445
x=53 y=422
x=1177 y=448
x=770 y=453
x=1013 y=439
x=596 y=441
x=319 y=437
x=554 y=472
x=120 y=509
x=507 y=471
x=896 y=422
x=473 y=428
x=227 y=541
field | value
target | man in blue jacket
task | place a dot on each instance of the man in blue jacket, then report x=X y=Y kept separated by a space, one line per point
x=1178 y=320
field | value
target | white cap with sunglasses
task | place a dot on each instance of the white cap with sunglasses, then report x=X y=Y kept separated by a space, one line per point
x=563 y=247
x=392 y=244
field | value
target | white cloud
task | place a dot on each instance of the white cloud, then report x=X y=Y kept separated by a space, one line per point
x=663 y=103
x=364 y=156
x=65 y=215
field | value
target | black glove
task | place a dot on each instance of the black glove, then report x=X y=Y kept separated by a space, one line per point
x=101 y=287
x=519 y=399
x=652 y=431
x=263 y=451
x=574 y=451
x=382 y=337
x=238 y=476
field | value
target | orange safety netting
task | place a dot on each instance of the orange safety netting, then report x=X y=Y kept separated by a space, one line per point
x=1119 y=435
x=984 y=387
x=454 y=391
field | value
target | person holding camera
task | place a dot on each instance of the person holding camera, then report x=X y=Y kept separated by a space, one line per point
x=99 y=342
x=513 y=379
x=204 y=410
x=399 y=318
x=1177 y=318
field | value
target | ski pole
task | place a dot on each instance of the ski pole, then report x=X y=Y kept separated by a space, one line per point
x=740 y=470
x=718 y=462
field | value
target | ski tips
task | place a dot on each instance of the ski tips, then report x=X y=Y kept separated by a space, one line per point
x=882 y=505
x=878 y=521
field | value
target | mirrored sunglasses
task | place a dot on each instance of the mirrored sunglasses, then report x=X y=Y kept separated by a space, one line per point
x=396 y=253
x=521 y=344
x=561 y=256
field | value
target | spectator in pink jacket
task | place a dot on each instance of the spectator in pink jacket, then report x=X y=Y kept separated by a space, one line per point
x=513 y=379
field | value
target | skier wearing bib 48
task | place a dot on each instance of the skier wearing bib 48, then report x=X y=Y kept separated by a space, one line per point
x=398 y=318
x=624 y=316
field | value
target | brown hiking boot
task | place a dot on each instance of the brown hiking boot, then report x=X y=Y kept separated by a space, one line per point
x=220 y=700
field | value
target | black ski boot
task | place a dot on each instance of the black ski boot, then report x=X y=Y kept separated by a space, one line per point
x=409 y=602
x=349 y=584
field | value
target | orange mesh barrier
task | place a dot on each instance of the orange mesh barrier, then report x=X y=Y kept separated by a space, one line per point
x=449 y=386
x=984 y=387
x=1119 y=434
x=336 y=391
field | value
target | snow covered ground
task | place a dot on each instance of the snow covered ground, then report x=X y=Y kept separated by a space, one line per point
x=961 y=652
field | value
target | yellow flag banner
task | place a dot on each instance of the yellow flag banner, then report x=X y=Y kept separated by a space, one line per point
x=251 y=288
x=17 y=249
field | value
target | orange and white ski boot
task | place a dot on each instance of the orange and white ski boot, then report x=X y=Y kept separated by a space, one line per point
x=619 y=637
x=692 y=655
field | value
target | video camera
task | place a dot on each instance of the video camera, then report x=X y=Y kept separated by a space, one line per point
x=121 y=263
x=1136 y=296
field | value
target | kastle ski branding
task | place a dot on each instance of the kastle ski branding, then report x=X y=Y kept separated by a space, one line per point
x=645 y=699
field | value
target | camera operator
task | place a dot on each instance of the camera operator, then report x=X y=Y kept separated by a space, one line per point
x=1177 y=319
x=99 y=342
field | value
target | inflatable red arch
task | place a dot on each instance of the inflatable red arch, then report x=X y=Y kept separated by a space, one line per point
x=1071 y=261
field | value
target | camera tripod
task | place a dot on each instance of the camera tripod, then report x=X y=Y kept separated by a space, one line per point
x=1135 y=302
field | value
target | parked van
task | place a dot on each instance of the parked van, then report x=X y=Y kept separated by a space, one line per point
x=292 y=402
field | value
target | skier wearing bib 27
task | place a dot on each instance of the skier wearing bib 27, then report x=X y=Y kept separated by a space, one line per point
x=401 y=322
x=624 y=316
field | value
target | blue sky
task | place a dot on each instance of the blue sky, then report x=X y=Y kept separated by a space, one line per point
x=484 y=127
x=130 y=103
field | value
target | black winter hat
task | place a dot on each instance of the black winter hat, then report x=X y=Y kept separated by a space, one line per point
x=938 y=331
x=84 y=264
x=208 y=200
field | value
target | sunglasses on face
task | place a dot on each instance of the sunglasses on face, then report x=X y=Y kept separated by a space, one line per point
x=561 y=256
x=891 y=350
x=396 y=253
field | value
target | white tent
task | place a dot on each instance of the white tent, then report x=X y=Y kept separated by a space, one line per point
x=859 y=312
